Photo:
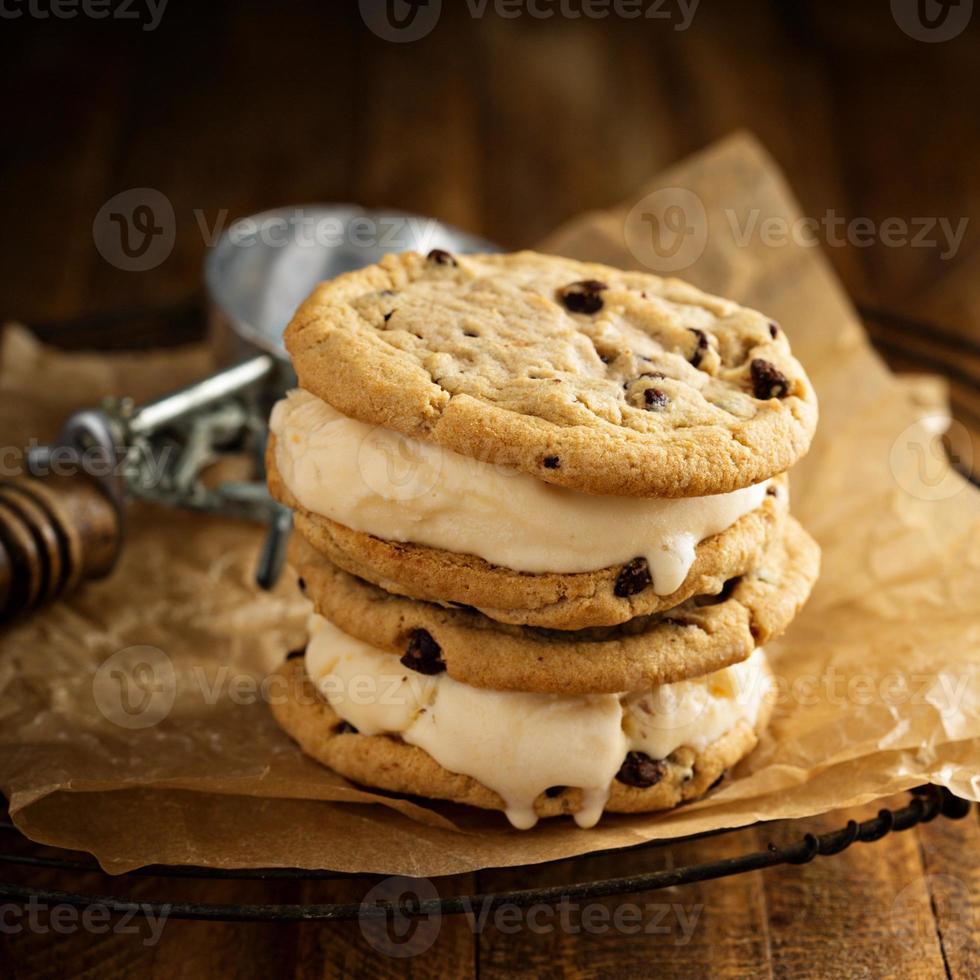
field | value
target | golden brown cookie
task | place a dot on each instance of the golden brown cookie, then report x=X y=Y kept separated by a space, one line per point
x=557 y=601
x=702 y=635
x=609 y=382
x=388 y=763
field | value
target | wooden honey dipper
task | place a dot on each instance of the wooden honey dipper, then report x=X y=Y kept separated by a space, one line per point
x=55 y=532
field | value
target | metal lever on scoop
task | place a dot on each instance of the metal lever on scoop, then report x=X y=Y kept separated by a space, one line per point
x=273 y=555
x=65 y=522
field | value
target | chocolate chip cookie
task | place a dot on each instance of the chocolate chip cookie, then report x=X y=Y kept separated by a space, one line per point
x=702 y=634
x=388 y=763
x=608 y=382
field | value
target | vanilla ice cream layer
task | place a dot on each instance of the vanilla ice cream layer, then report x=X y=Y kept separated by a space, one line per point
x=380 y=482
x=520 y=744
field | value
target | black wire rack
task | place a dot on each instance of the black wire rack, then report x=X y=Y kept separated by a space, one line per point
x=926 y=804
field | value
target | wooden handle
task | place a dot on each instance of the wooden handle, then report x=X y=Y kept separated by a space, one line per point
x=55 y=532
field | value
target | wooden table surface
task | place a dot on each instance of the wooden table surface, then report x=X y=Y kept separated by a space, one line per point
x=506 y=127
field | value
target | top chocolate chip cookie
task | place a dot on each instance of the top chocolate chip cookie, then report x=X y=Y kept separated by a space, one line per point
x=603 y=381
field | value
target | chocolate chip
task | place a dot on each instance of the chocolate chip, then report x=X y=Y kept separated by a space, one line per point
x=639 y=770
x=293 y=654
x=655 y=399
x=774 y=330
x=551 y=462
x=583 y=297
x=441 y=257
x=423 y=654
x=772 y=492
x=301 y=582
x=767 y=380
x=552 y=791
x=388 y=316
x=700 y=346
x=345 y=728
x=634 y=577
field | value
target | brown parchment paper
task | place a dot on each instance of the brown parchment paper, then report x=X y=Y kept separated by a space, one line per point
x=879 y=678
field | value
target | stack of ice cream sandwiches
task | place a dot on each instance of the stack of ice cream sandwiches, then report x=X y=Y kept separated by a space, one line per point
x=543 y=520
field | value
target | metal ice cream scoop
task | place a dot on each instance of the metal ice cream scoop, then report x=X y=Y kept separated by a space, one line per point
x=256 y=275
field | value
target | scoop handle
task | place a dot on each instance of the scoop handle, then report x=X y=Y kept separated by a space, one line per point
x=55 y=533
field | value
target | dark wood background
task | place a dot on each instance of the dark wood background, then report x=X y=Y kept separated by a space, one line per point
x=506 y=128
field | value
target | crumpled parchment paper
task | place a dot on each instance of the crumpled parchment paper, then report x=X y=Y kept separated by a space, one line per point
x=879 y=678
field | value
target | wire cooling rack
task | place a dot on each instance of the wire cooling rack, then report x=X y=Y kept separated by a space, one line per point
x=926 y=804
